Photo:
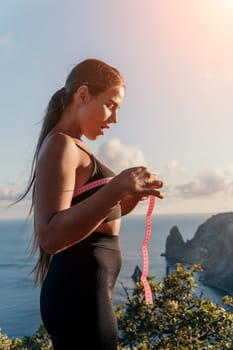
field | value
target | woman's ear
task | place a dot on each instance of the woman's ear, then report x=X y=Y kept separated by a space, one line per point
x=82 y=95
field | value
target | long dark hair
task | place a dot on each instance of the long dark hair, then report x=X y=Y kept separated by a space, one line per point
x=98 y=77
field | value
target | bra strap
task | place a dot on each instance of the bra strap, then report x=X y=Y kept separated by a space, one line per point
x=93 y=159
x=84 y=150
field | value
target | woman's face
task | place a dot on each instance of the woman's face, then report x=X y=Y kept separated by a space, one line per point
x=100 y=112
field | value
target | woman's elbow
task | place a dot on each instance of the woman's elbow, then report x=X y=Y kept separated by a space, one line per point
x=45 y=241
x=45 y=231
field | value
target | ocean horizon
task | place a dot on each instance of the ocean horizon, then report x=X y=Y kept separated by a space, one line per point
x=19 y=298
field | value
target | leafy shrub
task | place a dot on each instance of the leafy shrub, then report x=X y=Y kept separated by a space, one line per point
x=39 y=341
x=178 y=318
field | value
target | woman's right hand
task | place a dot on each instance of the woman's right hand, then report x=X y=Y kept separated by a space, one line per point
x=140 y=181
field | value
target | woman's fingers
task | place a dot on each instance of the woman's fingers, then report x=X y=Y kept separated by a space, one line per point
x=154 y=184
x=157 y=194
x=153 y=181
x=141 y=181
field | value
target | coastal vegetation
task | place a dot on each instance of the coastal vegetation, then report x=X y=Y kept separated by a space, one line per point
x=178 y=319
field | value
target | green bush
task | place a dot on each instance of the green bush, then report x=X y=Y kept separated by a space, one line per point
x=39 y=341
x=177 y=320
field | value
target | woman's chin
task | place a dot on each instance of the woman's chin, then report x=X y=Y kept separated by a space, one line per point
x=93 y=137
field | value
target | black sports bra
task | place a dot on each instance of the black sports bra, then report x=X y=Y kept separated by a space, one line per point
x=99 y=171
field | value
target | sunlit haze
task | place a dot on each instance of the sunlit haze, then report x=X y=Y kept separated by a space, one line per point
x=177 y=117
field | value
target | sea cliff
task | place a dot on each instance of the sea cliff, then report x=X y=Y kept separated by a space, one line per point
x=211 y=246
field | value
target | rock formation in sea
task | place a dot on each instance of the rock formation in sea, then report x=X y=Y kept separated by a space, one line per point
x=211 y=246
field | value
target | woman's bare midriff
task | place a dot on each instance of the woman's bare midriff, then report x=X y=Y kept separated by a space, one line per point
x=110 y=227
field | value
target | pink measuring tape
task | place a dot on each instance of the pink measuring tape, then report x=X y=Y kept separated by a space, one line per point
x=145 y=257
x=91 y=185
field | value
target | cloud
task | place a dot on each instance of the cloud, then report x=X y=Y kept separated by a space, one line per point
x=9 y=193
x=226 y=172
x=119 y=156
x=6 y=40
x=206 y=184
x=173 y=169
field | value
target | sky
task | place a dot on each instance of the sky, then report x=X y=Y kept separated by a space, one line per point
x=177 y=117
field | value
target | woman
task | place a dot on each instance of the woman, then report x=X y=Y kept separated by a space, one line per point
x=77 y=235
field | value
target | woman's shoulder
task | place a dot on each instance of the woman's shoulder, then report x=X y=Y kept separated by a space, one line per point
x=58 y=145
x=58 y=139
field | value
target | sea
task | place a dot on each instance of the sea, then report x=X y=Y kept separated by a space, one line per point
x=19 y=298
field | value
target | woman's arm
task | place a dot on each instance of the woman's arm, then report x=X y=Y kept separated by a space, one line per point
x=57 y=223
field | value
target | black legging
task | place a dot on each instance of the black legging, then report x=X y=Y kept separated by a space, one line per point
x=76 y=304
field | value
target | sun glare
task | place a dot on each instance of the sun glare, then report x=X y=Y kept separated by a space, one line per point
x=222 y=6
x=226 y=3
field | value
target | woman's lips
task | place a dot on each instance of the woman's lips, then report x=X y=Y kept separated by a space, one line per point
x=102 y=129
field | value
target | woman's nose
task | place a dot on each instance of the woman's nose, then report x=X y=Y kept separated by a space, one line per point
x=113 y=117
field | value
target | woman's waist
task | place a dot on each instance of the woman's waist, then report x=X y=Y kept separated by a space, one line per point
x=98 y=252
x=110 y=227
x=97 y=239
